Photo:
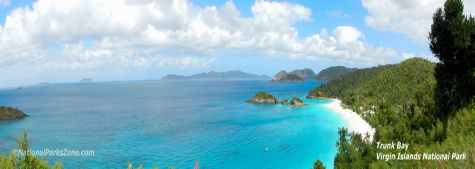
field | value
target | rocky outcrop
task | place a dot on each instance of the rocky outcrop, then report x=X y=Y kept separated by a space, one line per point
x=9 y=113
x=296 y=102
x=263 y=98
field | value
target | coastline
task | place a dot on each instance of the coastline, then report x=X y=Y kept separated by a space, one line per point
x=353 y=121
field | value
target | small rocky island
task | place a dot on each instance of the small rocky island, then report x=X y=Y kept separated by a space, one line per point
x=9 y=113
x=266 y=98
x=296 y=102
x=263 y=98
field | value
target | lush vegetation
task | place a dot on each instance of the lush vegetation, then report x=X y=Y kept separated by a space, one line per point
x=395 y=99
x=452 y=40
x=318 y=165
x=401 y=94
x=9 y=113
x=264 y=95
x=263 y=98
x=430 y=106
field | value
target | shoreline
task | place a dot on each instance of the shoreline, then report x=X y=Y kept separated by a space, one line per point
x=352 y=120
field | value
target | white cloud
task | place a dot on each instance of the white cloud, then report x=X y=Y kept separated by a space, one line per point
x=347 y=34
x=86 y=35
x=410 y=17
x=4 y=2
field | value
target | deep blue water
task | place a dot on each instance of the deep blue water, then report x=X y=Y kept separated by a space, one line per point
x=174 y=124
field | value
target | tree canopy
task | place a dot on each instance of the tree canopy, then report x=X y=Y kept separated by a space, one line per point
x=452 y=40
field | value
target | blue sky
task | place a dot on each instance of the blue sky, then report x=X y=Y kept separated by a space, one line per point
x=59 y=41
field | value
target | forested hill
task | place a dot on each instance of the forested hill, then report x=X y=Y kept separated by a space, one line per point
x=333 y=73
x=408 y=82
x=398 y=100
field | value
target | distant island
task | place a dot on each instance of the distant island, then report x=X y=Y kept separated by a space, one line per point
x=328 y=74
x=86 y=80
x=266 y=98
x=334 y=72
x=212 y=75
x=263 y=98
x=9 y=113
x=295 y=75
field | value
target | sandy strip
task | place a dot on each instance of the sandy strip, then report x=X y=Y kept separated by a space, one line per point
x=353 y=121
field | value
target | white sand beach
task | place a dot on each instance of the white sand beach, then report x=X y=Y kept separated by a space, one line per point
x=353 y=121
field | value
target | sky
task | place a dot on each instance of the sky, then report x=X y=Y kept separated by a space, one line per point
x=113 y=40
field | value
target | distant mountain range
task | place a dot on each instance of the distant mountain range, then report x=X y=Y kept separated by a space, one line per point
x=212 y=75
x=327 y=74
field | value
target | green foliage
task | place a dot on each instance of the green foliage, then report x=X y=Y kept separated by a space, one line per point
x=264 y=95
x=430 y=107
x=353 y=151
x=460 y=138
x=401 y=98
x=452 y=40
x=401 y=94
x=342 y=159
x=26 y=160
x=333 y=73
x=318 y=165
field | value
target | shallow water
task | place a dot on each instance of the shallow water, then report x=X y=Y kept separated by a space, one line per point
x=174 y=123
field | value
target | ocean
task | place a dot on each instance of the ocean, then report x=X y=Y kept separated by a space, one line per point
x=174 y=124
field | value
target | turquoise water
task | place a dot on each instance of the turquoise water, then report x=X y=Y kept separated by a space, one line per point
x=174 y=123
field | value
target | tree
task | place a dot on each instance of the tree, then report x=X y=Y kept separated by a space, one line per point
x=452 y=40
x=318 y=165
x=342 y=159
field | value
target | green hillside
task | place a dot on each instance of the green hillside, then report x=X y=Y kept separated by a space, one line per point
x=398 y=100
x=334 y=72
x=383 y=84
x=402 y=92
